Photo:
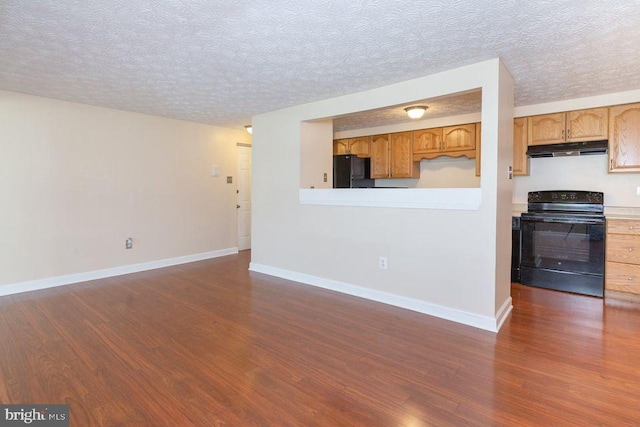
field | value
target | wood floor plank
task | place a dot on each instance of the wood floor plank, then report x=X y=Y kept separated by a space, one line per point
x=210 y=343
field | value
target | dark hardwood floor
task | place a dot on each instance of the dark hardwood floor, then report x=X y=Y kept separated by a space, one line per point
x=210 y=343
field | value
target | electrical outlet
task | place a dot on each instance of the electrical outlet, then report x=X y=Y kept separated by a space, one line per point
x=229 y=180
x=128 y=244
x=325 y=177
x=383 y=262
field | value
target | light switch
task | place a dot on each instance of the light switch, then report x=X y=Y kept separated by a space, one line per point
x=229 y=180
x=214 y=170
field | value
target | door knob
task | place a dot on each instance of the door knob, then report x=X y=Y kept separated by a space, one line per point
x=237 y=206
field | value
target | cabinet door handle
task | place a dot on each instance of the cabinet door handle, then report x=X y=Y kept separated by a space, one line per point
x=630 y=249
x=611 y=165
x=568 y=134
x=562 y=135
x=630 y=279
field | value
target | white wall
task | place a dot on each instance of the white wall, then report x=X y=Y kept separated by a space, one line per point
x=443 y=259
x=504 y=190
x=588 y=173
x=443 y=172
x=316 y=151
x=76 y=180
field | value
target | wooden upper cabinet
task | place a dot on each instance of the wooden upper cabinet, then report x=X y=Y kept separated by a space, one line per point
x=546 y=129
x=453 y=141
x=459 y=138
x=572 y=126
x=520 y=158
x=357 y=146
x=340 y=146
x=360 y=146
x=401 y=156
x=427 y=141
x=478 y=149
x=380 y=156
x=587 y=125
x=624 y=138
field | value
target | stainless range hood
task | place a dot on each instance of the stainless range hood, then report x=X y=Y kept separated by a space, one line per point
x=568 y=149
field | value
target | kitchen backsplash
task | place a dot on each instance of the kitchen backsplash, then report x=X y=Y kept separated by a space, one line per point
x=579 y=173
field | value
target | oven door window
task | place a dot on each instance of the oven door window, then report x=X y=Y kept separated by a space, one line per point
x=577 y=248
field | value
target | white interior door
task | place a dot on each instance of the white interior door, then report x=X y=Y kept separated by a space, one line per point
x=244 y=198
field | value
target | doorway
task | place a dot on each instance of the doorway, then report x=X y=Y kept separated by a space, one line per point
x=243 y=204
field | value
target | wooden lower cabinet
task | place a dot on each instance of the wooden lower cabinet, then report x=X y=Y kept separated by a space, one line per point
x=623 y=277
x=622 y=270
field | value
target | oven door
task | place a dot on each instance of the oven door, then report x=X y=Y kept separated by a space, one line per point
x=563 y=252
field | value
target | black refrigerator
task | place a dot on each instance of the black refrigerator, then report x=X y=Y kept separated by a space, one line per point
x=350 y=171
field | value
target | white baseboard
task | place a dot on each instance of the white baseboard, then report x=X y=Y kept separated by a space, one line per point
x=483 y=322
x=69 y=279
x=503 y=313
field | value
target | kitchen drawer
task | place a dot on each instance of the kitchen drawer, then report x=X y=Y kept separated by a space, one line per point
x=623 y=226
x=623 y=248
x=622 y=277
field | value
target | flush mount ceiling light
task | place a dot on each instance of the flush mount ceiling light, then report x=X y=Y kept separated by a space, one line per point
x=249 y=128
x=416 y=112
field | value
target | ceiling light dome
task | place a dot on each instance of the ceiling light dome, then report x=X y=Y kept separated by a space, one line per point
x=416 y=111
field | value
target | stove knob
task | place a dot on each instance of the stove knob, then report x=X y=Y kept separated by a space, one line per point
x=594 y=197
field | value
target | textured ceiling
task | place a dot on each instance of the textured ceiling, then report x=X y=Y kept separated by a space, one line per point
x=452 y=105
x=221 y=62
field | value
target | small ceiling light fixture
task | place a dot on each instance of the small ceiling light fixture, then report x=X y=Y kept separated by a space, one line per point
x=249 y=128
x=416 y=112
